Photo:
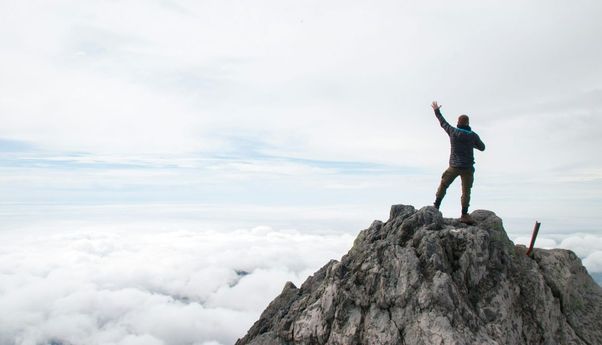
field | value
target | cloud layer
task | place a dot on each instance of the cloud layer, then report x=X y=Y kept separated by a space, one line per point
x=158 y=288
x=337 y=80
x=158 y=282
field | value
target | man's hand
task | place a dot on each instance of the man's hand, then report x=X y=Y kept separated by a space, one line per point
x=435 y=105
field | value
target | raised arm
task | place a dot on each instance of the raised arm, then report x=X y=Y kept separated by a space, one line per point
x=478 y=144
x=446 y=126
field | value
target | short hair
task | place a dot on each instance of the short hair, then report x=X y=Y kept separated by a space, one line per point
x=463 y=120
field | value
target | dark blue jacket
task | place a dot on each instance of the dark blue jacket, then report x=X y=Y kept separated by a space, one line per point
x=463 y=141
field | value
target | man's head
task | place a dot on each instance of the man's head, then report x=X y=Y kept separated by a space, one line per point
x=463 y=120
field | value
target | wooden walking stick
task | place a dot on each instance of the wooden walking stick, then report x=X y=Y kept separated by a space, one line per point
x=535 y=231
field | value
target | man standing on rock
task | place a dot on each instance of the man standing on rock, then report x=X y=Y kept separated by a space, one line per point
x=461 y=160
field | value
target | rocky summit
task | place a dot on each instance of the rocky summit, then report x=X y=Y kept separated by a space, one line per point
x=420 y=278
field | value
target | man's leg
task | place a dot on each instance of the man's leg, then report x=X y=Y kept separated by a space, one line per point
x=447 y=178
x=467 y=176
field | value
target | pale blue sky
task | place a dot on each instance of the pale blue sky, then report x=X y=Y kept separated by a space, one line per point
x=300 y=103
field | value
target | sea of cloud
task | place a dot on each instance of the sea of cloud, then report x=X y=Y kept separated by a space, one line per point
x=177 y=287
x=112 y=285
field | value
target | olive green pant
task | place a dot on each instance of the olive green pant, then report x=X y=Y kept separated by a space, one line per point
x=449 y=175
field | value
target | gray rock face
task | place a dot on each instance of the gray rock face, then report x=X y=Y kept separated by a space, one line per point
x=422 y=279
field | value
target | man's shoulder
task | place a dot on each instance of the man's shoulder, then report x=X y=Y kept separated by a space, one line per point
x=469 y=132
x=464 y=133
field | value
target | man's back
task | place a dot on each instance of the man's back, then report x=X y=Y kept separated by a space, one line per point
x=463 y=141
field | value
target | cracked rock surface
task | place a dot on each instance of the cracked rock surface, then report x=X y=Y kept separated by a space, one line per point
x=422 y=279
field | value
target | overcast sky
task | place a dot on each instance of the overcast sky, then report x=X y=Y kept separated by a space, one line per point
x=312 y=116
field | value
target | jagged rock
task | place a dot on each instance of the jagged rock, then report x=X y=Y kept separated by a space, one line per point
x=420 y=279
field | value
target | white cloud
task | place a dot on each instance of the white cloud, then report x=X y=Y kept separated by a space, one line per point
x=583 y=245
x=336 y=80
x=587 y=246
x=155 y=288
x=593 y=262
x=545 y=243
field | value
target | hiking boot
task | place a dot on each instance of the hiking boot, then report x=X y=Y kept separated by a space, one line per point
x=466 y=219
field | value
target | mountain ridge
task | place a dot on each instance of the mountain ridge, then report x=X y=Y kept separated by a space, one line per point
x=420 y=278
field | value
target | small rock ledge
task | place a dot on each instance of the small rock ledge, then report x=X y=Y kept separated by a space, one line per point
x=420 y=278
